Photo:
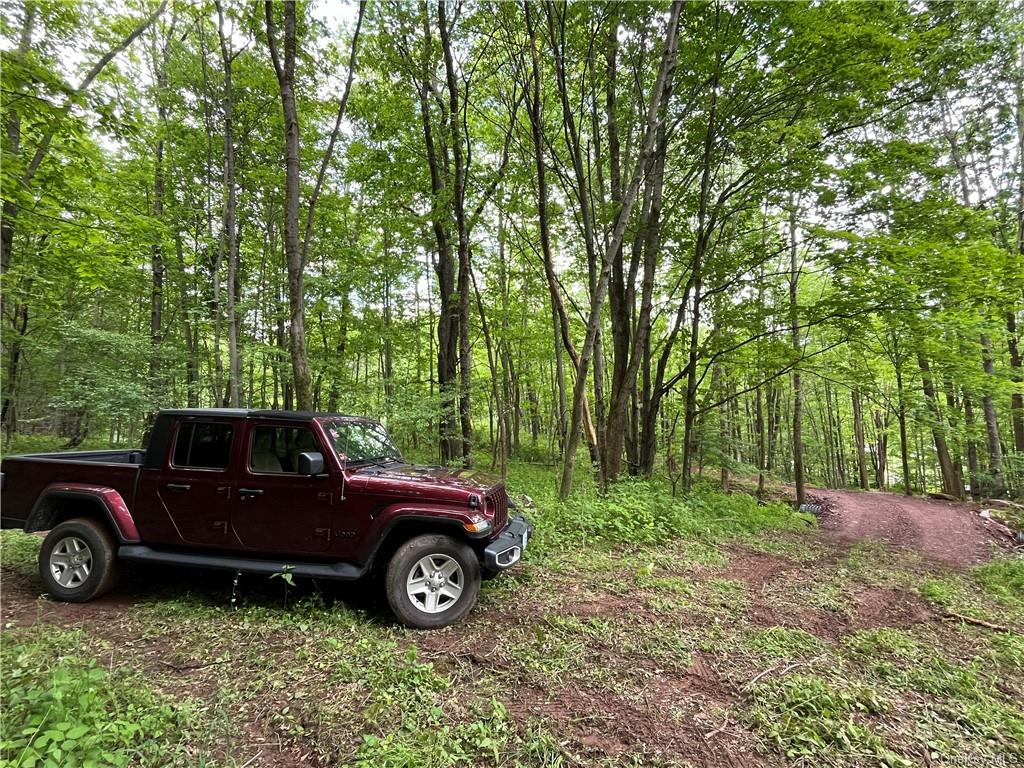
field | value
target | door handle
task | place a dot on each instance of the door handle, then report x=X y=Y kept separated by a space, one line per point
x=179 y=487
x=250 y=491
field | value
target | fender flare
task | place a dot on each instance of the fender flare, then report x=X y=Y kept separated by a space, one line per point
x=110 y=501
x=430 y=515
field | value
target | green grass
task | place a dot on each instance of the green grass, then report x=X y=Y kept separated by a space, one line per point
x=808 y=717
x=783 y=643
x=19 y=551
x=994 y=591
x=620 y=599
x=62 y=708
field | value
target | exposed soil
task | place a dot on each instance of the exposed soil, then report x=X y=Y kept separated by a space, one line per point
x=946 y=531
x=653 y=707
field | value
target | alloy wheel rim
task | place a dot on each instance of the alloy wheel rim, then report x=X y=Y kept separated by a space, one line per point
x=70 y=562
x=435 y=583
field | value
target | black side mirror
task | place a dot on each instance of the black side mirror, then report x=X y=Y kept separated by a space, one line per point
x=311 y=463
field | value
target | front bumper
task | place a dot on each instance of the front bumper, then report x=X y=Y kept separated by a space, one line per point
x=508 y=548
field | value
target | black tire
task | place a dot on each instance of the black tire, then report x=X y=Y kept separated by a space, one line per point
x=86 y=552
x=406 y=573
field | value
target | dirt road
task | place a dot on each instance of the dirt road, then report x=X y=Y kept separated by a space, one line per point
x=943 y=530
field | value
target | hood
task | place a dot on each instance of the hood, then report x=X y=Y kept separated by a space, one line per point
x=426 y=477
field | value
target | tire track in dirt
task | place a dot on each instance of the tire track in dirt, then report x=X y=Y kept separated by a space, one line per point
x=946 y=531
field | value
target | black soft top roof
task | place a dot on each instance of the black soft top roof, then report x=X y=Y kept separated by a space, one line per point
x=252 y=413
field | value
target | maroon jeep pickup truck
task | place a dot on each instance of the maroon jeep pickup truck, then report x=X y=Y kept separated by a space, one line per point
x=317 y=495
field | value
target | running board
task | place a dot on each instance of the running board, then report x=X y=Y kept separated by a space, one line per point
x=337 y=571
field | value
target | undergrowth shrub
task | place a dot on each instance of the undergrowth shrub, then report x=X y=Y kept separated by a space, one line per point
x=637 y=511
x=63 y=710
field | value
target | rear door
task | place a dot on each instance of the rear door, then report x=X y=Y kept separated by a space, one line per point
x=276 y=510
x=195 y=486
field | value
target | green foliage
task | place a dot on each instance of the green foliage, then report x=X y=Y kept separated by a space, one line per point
x=643 y=512
x=884 y=641
x=19 y=551
x=783 y=643
x=1003 y=578
x=808 y=717
x=61 y=709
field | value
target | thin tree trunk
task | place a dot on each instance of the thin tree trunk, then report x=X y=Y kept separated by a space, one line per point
x=973 y=467
x=230 y=233
x=798 y=396
x=649 y=242
x=995 y=449
x=901 y=417
x=558 y=306
x=462 y=229
x=285 y=71
x=629 y=198
x=880 y=455
x=950 y=483
x=858 y=433
x=1016 y=375
x=10 y=209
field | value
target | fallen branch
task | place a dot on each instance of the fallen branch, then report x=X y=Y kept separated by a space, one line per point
x=782 y=672
x=757 y=677
x=719 y=729
x=950 y=616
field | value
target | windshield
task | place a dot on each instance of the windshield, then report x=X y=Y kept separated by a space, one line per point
x=360 y=441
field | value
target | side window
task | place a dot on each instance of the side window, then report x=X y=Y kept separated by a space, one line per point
x=203 y=445
x=276 y=449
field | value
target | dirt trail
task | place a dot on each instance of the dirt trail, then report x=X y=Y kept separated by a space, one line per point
x=942 y=530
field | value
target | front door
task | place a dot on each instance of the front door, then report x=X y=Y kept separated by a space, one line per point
x=195 y=488
x=276 y=510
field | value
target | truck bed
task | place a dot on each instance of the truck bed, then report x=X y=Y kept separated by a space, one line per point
x=24 y=477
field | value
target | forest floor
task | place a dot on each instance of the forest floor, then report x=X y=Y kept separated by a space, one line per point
x=839 y=644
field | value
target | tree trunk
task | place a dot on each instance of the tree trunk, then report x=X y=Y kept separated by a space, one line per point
x=450 y=447
x=10 y=209
x=950 y=483
x=995 y=450
x=901 y=417
x=157 y=267
x=858 y=433
x=798 y=395
x=558 y=306
x=973 y=467
x=1016 y=376
x=230 y=233
x=636 y=349
x=880 y=454
x=462 y=229
x=285 y=70
x=629 y=198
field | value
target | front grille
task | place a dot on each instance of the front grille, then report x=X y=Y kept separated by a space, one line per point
x=497 y=502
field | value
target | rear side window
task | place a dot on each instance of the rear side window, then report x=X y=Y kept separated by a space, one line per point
x=203 y=445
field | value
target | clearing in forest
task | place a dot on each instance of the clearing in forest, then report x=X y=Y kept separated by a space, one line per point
x=750 y=637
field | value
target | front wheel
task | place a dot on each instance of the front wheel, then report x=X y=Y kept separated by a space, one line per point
x=432 y=581
x=78 y=560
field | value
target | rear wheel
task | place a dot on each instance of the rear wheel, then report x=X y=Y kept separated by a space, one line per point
x=432 y=581
x=78 y=560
